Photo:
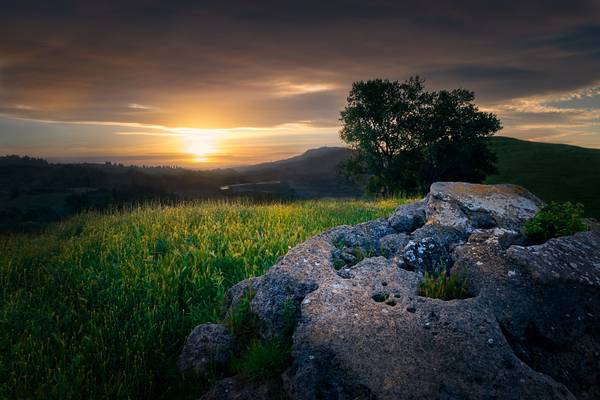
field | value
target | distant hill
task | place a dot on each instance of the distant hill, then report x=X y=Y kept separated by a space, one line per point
x=313 y=173
x=552 y=171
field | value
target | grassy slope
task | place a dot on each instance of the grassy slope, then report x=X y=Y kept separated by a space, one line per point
x=551 y=171
x=99 y=306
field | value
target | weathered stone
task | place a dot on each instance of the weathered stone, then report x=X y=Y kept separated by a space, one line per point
x=207 y=345
x=234 y=388
x=446 y=236
x=546 y=262
x=375 y=229
x=530 y=331
x=408 y=217
x=546 y=299
x=426 y=255
x=348 y=344
x=467 y=206
x=392 y=245
x=240 y=290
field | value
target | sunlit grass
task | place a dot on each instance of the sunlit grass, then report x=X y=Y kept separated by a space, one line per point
x=99 y=306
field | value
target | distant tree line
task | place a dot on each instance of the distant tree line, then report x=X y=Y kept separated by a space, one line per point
x=34 y=192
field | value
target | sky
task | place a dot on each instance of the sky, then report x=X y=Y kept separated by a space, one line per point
x=206 y=84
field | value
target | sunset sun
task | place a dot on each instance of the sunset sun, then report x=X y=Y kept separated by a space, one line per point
x=200 y=147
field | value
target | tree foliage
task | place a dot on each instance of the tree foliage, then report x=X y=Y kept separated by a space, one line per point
x=407 y=138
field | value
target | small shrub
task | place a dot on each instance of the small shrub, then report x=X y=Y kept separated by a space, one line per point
x=339 y=244
x=440 y=285
x=339 y=264
x=241 y=321
x=358 y=254
x=555 y=220
x=289 y=314
x=263 y=360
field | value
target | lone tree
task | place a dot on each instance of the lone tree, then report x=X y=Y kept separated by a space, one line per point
x=406 y=138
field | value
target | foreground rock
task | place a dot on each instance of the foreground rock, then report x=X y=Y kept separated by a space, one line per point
x=531 y=329
x=207 y=345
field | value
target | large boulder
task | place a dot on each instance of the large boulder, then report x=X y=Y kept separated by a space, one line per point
x=467 y=206
x=393 y=244
x=408 y=217
x=530 y=330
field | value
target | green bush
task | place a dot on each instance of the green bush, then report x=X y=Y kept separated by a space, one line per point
x=554 y=220
x=440 y=285
x=241 y=321
x=263 y=360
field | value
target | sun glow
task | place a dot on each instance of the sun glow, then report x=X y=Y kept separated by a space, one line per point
x=200 y=146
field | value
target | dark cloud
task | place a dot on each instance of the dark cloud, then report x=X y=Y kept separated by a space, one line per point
x=582 y=40
x=264 y=63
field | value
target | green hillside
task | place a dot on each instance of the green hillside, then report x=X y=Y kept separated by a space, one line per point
x=551 y=171
x=98 y=307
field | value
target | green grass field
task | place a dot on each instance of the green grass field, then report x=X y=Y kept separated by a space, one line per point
x=552 y=171
x=100 y=305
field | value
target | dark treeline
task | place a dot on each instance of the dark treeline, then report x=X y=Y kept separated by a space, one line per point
x=34 y=192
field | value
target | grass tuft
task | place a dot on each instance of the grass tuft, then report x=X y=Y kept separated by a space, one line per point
x=263 y=360
x=440 y=285
x=241 y=321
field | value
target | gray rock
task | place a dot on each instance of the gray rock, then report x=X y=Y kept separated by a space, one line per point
x=467 y=206
x=546 y=262
x=393 y=244
x=240 y=290
x=426 y=255
x=207 y=345
x=348 y=344
x=447 y=236
x=546 y=299
x=289 y=281
x=234 y=388
x=531 y=329
x=375 y=229
x=408 y=217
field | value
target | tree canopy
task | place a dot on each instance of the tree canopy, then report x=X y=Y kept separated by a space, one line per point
x=407 y=138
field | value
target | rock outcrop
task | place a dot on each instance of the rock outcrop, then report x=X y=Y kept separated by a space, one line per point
x=530 y=330
x=207 y=345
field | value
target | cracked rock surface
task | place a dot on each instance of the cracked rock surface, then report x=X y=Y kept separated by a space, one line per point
x=531 y=329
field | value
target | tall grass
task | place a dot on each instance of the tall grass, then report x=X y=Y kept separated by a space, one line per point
x=99 y=306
